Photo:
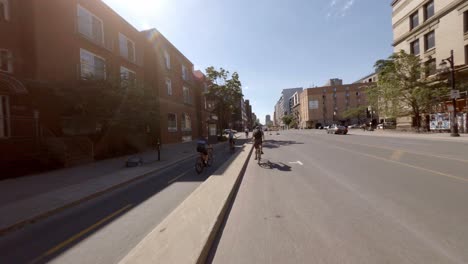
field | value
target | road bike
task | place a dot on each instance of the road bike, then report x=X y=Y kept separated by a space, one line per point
x=200 y=164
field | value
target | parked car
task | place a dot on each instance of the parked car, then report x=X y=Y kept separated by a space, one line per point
x=336 y=129
x=353 y=126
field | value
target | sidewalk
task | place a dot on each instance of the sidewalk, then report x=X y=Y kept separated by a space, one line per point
x=401 y=134
x=34 y=197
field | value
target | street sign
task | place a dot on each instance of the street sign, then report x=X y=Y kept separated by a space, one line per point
x=450 y=107
x=454 y=94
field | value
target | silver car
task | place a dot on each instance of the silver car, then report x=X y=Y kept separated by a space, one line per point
x=336 y=129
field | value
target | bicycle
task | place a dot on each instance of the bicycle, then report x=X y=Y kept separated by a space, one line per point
x=200 y=164
x=232 y=145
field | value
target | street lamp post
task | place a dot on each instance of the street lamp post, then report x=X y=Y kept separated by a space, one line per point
x=451 y=61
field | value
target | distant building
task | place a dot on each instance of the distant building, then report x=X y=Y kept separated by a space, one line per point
x=333 y=82
x=283 y=106
x=326 y=105
x=268 y=120
x=371 y=78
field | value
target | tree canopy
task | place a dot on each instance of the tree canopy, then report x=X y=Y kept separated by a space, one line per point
x=225 y=91
x=403 y=88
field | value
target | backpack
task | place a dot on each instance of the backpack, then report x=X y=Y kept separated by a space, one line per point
x=257 y=134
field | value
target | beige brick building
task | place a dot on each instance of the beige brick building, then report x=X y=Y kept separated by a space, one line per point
x=326 y=105
x=431 y=29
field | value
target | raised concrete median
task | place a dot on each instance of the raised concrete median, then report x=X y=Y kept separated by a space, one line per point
x=186 y=235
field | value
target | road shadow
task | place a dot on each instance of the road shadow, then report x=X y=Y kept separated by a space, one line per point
x=279 y=143
x=274 y=166
x=105 y=209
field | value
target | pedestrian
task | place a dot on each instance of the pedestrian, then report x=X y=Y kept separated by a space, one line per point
x=246 y=133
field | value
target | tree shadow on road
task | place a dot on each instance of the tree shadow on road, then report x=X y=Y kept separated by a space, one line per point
x=275 y=166
x=278 y=143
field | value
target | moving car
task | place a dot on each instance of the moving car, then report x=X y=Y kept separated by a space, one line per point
x=336 y=129
x=227 y=130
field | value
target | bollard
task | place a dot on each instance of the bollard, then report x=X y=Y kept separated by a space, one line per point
x=159 y=150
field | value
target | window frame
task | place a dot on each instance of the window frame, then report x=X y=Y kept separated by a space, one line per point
x=127 y=55
x=172 y=129
x=426 y=17
x=183 y=124
x=186 y=95
x=94 y=67
x=426 y=41
x=412 y=25
x=169 y=86
x=9 y=60
x=91 y=37
x=430 y=72
x=412 y=49
x=123 y=70
x=167 y=60
x=184 y=72
x=6 y=14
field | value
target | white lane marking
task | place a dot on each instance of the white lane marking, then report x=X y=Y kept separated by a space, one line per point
x=296 y=162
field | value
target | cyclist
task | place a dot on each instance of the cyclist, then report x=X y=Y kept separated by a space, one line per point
x=258 y=139
x=231 y=138
x=202 y=144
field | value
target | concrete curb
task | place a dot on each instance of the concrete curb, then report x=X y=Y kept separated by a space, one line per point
x=187 y=234
x=56 y=210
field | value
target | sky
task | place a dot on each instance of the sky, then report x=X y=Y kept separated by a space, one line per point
x=272 y=44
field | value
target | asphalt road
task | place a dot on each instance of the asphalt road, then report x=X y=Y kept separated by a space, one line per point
x=321 y=198
x=105 y=229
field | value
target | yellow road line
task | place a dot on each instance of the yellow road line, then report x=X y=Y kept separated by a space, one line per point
x=404 y=164
x=80 y=234
x=395 y=149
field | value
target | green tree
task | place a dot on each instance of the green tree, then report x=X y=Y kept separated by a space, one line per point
x=355 y=112
x=225 y=91
x=402 y=89
x=288 y=120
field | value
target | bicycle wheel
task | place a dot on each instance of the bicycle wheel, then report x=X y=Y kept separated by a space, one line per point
x=199 y=166
x=209 y=162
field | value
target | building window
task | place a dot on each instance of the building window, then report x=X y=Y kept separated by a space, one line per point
x=167 y=60
x=414 y=47
x=6 y=61
x=431 y=67
x=4 y=11
x=186 y=123
x=184 y=72
x=127 y=47
x=169 y=86
x=4 y=116
x=127 y=77
x=171 y=122
x=465 y=22
x=429 y=41
x=90 y=25
x=466 y=54
x=187 y=98
x=93 y=67
x=414 y=20
x=428 y=10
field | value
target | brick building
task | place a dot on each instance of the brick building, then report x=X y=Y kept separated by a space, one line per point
x=172 y=75
x=53 y=46
x=326 y=105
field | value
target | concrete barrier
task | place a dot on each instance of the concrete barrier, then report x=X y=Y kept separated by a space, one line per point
x=187 y=234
